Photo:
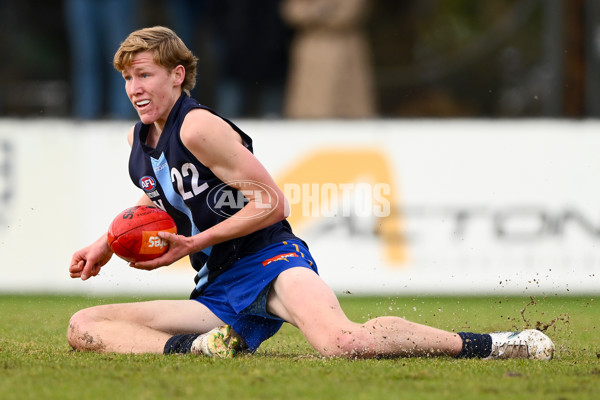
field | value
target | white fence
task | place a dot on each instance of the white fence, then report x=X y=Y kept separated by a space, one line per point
x=387 y=207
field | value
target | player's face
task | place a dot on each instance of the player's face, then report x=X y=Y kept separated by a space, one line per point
x=151 y=88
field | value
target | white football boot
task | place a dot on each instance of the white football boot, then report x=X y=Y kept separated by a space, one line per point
x=220 y=342
x=530 y=343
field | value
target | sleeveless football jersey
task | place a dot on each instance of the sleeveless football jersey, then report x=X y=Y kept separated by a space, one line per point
x=178 y=183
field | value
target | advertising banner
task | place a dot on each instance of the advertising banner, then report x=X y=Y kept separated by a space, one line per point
x=386 y=206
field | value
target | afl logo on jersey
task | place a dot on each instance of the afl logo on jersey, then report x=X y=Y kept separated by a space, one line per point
x=148 y=183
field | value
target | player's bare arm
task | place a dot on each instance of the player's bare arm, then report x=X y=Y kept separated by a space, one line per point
x=130 y=136
x=219 y=147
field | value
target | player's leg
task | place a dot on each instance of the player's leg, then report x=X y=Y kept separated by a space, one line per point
x=300 y=297
x=143 y=327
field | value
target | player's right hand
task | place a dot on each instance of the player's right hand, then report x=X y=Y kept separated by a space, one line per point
x=88 y=261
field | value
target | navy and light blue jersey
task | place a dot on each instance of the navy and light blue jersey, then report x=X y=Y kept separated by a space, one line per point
x=178 y=183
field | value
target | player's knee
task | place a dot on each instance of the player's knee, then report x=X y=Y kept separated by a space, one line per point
x=76 y=324
x=80 y=330
x=344 y=343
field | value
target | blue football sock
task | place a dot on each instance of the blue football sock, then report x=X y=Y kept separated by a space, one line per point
x=475 y=345
x=179 y=344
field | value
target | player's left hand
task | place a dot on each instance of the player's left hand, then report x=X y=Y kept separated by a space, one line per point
x=179 y=247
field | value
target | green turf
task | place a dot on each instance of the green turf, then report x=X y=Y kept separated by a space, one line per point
x=36 y=362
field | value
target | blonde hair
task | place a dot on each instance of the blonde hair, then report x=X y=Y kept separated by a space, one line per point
x=168 y=49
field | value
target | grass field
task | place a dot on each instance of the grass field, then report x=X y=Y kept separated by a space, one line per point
x=37 y=363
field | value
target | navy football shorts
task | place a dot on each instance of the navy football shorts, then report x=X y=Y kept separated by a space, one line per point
x=239 y=295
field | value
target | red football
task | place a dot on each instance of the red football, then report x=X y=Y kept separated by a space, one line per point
x=133 y=234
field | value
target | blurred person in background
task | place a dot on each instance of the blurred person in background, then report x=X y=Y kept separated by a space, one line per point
x=251 y=47
x=186 y=16
x=330 y=72
x=95 y=29
x=189 y=19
